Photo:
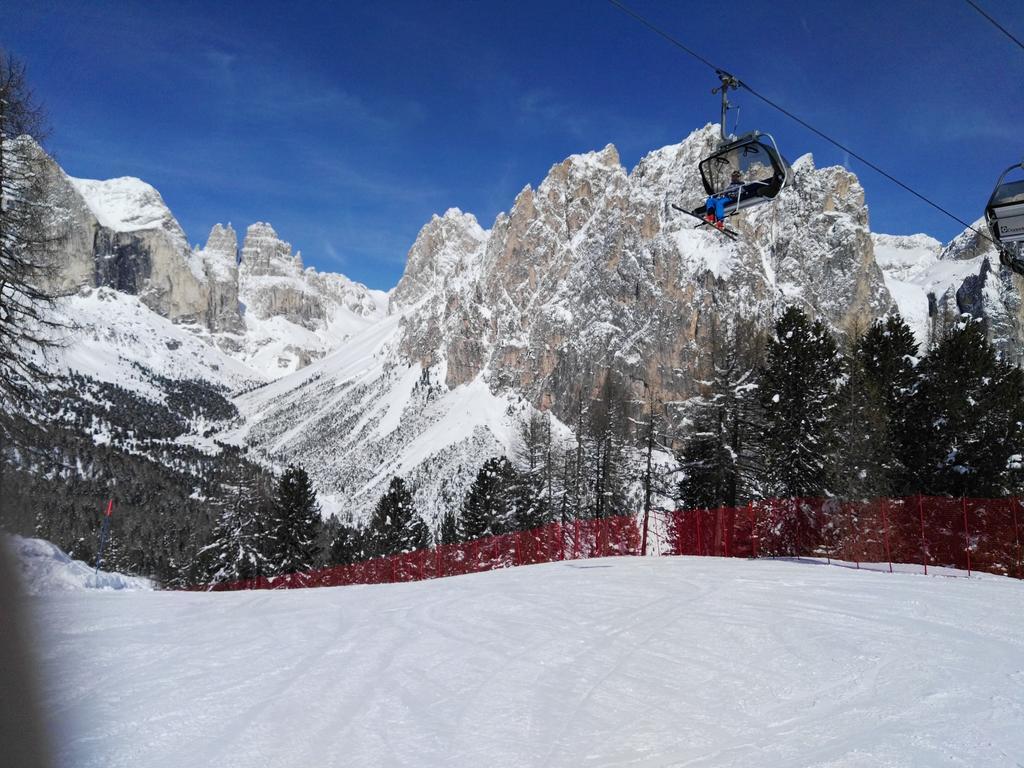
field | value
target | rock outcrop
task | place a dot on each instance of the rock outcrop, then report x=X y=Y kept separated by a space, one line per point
x=594 y=272
x=220 y=267
x=272 y=281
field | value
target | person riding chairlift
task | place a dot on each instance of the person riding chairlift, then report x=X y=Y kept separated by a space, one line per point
x=715 y=204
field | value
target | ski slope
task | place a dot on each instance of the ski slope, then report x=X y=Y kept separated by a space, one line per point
x=615 y=662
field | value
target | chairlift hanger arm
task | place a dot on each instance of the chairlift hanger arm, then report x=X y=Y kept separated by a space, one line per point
x=728 y=81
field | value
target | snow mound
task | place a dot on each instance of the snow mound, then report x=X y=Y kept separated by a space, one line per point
x=46 y=568
x=611 y=662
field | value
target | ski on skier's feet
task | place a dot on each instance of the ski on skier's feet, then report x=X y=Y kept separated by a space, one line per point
x=732 y=234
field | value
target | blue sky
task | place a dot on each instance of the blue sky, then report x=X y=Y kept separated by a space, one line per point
x=346 y=125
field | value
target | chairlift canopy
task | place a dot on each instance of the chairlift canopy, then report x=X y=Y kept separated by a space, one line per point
x=1005 y=210
x=763 y=170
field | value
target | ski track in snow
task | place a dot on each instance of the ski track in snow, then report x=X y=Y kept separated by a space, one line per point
x=640 y=662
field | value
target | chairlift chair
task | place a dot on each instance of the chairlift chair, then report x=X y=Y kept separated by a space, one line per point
x=755 y=155
x=1004 y=215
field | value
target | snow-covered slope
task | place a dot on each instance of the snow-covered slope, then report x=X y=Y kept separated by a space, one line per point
x=110 y=334
x=912 y=270
x=45 y=568
x=359 y=417
x=632 y=661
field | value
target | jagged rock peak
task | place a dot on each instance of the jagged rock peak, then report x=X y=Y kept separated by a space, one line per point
x=446 y=246
x=605 y=158
x=222 y=241
x=581 y=172
x=264 y=253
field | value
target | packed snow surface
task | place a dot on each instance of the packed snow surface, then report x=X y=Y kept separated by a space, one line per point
x=615 y=662
x=44 y=567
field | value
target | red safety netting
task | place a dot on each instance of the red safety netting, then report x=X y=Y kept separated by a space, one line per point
x=969 y=534
x=575 y=540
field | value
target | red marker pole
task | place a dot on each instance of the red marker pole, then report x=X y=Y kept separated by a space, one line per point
x=104 y=529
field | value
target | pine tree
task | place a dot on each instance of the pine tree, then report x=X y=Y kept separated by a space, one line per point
x=720 y=456
x=798 y=397
x=708 y=466
x=28 y=225
x=863 y=457
x=448 y=533
x=238 y=547
x=489 y=506
x=534 y=473
x=605 y=473
x=873 y=403
x=296 y=523
x=346 y=547
x=659 y=487
x=965 y=419
x=887 y=353
x=395 y=526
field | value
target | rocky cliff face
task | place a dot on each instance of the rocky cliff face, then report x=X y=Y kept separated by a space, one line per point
x=220 y=268
x=989 y=291
x=117 y=234
x=294 y=314
x=272 y=280
x=594 y=271
x=267 y=311
x=139 y=248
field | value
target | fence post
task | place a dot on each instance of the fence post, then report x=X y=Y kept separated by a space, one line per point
x=1016 y=536
x=696 y=525
x=885 y=523
x=753 y=529
x=518 y=548
x=967 y=536
x=575 y=538
x=643 y=536
x=924 y=545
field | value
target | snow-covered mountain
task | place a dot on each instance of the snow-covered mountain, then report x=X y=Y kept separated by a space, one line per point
x=256 y=306
x=591 y=273
x=931 y=281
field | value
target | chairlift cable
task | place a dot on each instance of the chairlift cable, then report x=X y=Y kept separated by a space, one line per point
x=995 y=23
x=662 y=33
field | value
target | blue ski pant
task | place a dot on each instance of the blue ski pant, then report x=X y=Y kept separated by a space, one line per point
x=716 y=204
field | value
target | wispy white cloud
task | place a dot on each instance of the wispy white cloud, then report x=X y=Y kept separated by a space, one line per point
x=332 y=252
x=272 y=92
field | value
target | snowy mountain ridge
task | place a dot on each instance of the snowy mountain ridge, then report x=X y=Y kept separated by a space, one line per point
x=119 y=234
x=590 y=274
